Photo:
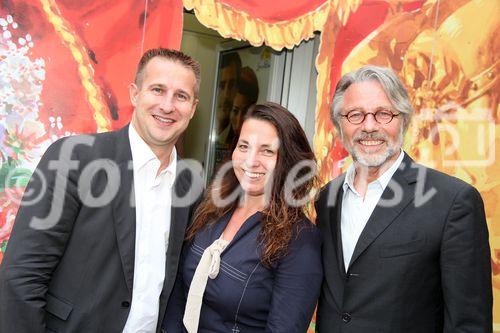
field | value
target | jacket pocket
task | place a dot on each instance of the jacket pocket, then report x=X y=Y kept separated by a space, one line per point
x=402 y=249
x=58 y=307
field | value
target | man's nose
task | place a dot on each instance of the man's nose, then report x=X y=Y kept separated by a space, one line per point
x=370 y=124
x=238 y=118
x=167 y=103
x=223 y=89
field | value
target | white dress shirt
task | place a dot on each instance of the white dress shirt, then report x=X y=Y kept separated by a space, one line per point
x=356 y=211
x=153 y=198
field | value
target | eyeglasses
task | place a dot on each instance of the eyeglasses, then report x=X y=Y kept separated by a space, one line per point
x=383 y=116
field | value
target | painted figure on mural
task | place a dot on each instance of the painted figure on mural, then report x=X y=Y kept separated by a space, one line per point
x=252 y=260
x=97 y=239
x=405 y=247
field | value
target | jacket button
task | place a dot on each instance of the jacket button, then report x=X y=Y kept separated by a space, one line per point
x=346 y=317
x=125 y=304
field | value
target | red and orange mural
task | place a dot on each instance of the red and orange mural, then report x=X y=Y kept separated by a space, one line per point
x=65 y=67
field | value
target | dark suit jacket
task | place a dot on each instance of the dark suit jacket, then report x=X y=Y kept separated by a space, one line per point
x=421 y=264
x=77 y=275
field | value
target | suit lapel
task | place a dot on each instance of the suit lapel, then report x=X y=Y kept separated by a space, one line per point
x=335 y=214
x=178 y=222
x=179 y=219
x=332 y=246
x=396 y=196
x=124 y=208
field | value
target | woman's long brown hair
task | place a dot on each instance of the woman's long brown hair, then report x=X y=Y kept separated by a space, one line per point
x=280 y=219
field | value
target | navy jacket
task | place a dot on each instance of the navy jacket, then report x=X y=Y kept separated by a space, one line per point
x=247 y=296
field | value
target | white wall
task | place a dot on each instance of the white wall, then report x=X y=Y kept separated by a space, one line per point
x=299 y=86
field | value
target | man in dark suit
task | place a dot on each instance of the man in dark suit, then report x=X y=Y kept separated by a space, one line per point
x=97 y=239
x=405 y=247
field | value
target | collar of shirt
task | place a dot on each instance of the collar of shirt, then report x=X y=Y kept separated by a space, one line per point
x=142 y=155
x=380 y=182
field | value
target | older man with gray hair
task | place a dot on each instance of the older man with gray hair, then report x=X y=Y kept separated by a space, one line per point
x=405 y=247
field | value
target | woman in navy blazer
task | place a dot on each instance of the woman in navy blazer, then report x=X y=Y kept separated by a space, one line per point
x=269 y=273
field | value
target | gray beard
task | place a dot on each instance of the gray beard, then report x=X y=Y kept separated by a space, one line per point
x=374 y=160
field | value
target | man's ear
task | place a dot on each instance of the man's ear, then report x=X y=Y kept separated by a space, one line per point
x=133 y=92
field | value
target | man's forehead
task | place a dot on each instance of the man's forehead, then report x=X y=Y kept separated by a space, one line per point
x=365 y=86
x=161 y=71
x=157 y=61
x=366 y=93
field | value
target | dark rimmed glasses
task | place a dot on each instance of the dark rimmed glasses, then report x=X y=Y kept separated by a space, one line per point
x=383 y=116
